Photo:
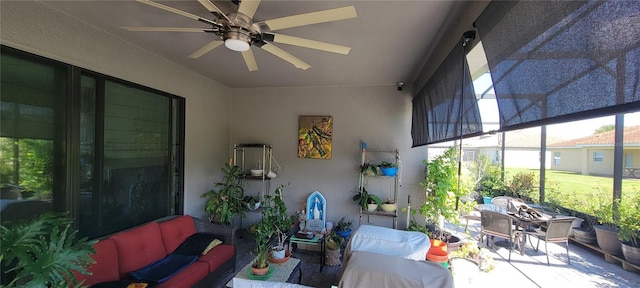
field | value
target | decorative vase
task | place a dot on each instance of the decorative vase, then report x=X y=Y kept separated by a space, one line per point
x=631 y=254
x=607 y=238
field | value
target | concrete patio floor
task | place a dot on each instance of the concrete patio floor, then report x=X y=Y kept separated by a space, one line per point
x=588 y=268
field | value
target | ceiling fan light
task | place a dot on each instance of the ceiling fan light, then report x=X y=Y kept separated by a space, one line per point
x=236 y=45
x=237 y=40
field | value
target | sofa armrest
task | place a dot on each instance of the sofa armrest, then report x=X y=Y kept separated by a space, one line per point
x=228 y=233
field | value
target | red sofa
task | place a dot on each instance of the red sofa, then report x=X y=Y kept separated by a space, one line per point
x=137 y=247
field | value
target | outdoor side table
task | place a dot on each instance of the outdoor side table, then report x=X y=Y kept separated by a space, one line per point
x=318 y=239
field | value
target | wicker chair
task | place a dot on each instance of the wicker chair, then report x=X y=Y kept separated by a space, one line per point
x=497 y=224
x=502 y=201
x=557 y=231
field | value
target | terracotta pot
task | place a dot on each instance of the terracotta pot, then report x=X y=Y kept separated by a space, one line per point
x=437 y=255
x=607 y=237
x=260 y=271
x=280 y=260
x=631 y=254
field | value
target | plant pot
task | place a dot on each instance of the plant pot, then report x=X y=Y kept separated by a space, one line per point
x=607 y=238
x=332 y=257
x=631 y=253
x=486 y=200
x=344 y=234
x=389 y=171
x=259 y=271
x=372 y=207
x=285 y=256
x=438 y=256
x=278 y=254
x=453 y=243
x=583 y=236
x=577 y=222
x=388 y=207
x=437 y=244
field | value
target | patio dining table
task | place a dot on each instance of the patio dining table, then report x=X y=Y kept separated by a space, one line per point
x=523 y=222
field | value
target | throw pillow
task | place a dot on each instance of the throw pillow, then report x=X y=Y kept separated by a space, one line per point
x=195 y=244
x=212 y=244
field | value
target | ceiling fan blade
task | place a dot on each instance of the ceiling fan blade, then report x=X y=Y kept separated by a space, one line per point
x=179 y=12
x=273 y=49
x=307 y=43
x=248 y=7
x=212 y=8
x=206 y=48
x=167 y=29
x=249 y=60
x=311 y=18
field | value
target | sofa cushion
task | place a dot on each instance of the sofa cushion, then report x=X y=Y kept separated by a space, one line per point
x=217 y=256
x=106 y=267
x=164 y=269
x=196 y=244
x=175 y=231
x=187 y=277
x=138 y=247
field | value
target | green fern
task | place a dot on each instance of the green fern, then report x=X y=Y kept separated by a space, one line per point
x=44 y=252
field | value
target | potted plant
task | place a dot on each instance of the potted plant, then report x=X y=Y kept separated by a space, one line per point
x=343 y=228
x=264 y=231
x=366 y=200
x=252 y=202
x=607 y=230
x=389 y=205
x=388 y=168
x=442 y=194
x=629 y=224
x=43 y=252
x=225 y=200
x=491 y=184
x=333 y=244
x=370 y=169
x=275 y=214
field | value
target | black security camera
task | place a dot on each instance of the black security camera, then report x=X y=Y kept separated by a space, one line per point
x=400 y=85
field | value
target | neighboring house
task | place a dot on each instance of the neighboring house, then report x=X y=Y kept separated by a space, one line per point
x=593 y=155
x=522 y=148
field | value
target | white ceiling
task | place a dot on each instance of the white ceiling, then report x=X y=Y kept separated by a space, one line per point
x=390 y=40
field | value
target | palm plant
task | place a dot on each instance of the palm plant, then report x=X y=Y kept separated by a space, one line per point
x=43 y=252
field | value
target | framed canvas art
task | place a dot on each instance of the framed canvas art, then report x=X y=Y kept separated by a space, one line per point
x=314 y=137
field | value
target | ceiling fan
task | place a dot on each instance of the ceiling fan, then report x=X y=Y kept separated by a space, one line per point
x=238 y=31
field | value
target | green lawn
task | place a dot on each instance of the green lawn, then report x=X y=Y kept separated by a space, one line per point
x=579 y=192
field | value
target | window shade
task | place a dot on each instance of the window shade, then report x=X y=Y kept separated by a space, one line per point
x=556 y=61
x=438 y=115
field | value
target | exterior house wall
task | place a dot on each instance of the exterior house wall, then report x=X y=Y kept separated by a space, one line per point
x=33 y=27
x=570 y=159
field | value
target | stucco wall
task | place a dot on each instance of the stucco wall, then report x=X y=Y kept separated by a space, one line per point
x=379 y=115
x=34 y=28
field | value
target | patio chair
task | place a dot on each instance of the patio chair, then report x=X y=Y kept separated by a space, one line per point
x=497 y=224
x=557 y=231
x=502 y=201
